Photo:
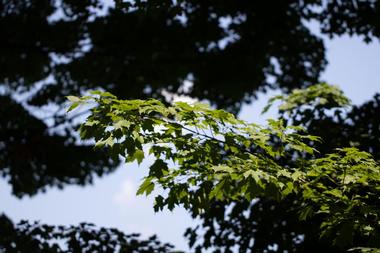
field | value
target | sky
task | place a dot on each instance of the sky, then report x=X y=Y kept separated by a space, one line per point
x=111 y=200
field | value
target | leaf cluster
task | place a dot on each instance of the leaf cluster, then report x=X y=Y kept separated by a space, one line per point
x=215 y=156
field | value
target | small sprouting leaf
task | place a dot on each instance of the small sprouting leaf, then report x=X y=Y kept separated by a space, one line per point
x=73 y=99
x=73 y=106
x=270 y=103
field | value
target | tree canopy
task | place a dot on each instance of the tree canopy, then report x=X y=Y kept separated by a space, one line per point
x=228 y=50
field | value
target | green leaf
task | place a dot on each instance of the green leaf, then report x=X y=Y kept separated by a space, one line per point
x=306 y=212
x=146 y=187
x=158 y=168
x=139 y=156
x=105 y=142
x=334 y=192
x=121 y=124
x=75 y=102
x=222 y=168
x=217 y=191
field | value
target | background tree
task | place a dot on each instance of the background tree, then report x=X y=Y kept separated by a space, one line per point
x=36 y=237
x=228 y=50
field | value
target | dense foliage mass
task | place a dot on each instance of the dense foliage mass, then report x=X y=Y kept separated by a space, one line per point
x=215 y=156
x=229 y=50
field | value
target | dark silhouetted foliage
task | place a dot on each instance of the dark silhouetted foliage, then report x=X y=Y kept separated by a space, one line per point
x=32 y=158
x=26 y=237
x=258 y=226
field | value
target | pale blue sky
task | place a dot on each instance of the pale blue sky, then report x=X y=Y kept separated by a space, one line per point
x=111 y=201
